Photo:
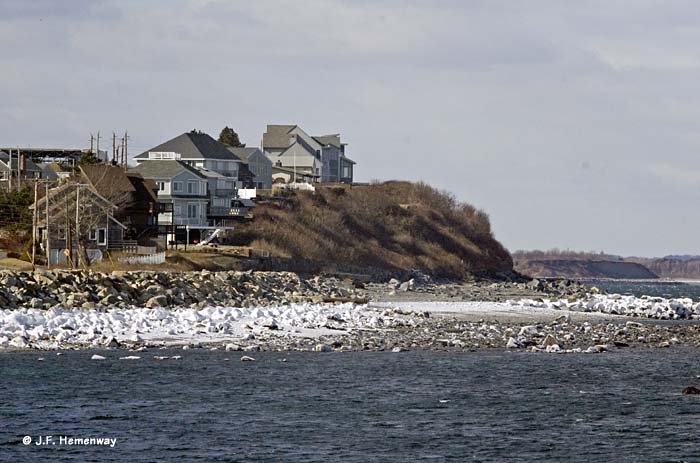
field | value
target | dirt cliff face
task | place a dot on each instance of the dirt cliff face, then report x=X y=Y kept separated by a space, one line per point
x=584 y=269
x=395 y=226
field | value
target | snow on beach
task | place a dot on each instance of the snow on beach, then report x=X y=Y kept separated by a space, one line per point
x=55 y=327
x=79 y=327
x=594 y=305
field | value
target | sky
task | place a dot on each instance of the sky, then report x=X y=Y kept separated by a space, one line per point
x=573 y=124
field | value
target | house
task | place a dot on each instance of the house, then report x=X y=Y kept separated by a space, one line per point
x=195 y=149
x=136 y=198
x=284 y=175
x=182 y=191
x=14 y=166
x=220 y=191
x=289 y=146
x=78 y=219
x=259 y=165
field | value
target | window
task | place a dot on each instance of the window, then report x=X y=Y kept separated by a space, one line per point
x=177 y=186
x=163 y=155
x=102 y=236
x=192 y=188
x=192 y=211
x=93 y=235
x=160 y=185
x=177 y=209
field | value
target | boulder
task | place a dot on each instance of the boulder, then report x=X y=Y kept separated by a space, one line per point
x=323 y=348
x=245 y=358
x=691 y=390
x=157 y=301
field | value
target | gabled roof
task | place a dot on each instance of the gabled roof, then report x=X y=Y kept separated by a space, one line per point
x=277 y=136
x=109 y=181
x=192 y=145
x=243 y=153
x=29 y=164
x=164 y=169
x=333 y=140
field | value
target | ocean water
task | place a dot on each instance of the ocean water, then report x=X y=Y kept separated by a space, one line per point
x=489 y=406
x=667 y=289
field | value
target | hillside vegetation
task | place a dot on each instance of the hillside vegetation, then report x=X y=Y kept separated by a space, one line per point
x=394 y=226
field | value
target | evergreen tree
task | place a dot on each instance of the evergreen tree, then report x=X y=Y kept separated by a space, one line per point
x=229 y=137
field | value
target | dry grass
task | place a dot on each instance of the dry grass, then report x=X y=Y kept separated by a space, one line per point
x=393 y=226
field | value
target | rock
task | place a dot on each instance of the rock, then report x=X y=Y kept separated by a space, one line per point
x=157 y=301
x=111 y=342
x=245 y=358
x=323 y=348
x=620 y=344
x=97 y=357
x=135 y=338
x=19 y=342
x=691 y=390
x=130 y=357
x=398 y=349
x=549 y=340
x=512 y=343
x=407 y=285
x=553 y=348
x=233 y=347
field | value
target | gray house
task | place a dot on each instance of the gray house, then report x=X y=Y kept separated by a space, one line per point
x=182 y=192
x=196 y=149
x=259 y=165
x=290 y=147
x=17 y=167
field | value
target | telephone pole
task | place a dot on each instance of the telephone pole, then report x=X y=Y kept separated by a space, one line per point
x=92 y=142
x=125 y=153
x=114 y=149
x=48 y=230
x=36 y=196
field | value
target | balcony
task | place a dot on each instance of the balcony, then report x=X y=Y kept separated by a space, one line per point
x=228 y=212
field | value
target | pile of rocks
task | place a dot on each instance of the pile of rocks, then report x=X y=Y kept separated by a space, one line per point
x=69 y=289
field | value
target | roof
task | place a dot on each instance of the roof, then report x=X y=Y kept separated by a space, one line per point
x=289 y=170
x=243 y=153
x=192 y=145
x=333 y=140
x=212 y=174
x=109 y=181
x=164 y=169
x=345 y=158
x=277 y=136
x=29 y=164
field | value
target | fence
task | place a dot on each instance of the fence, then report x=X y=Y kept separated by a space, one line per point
x=58 y=257
x=154 y=259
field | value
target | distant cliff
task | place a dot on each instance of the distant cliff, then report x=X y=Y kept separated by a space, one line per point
x=584 y=269
x=392 y=226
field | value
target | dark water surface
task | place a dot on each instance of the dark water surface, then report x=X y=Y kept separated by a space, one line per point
x=354 y=407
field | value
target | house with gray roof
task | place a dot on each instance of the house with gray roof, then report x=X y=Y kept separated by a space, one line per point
x=196 y=149
x=290 y=147
x=259 y=165
x=182 y=192
x=15 y=167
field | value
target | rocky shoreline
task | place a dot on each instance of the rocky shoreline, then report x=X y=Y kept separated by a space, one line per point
x=281 y=311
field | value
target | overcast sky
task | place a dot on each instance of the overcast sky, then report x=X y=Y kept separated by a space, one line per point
x=574 y=124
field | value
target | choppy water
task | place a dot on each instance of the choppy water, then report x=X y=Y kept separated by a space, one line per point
x=666 y=289
x=354 y=407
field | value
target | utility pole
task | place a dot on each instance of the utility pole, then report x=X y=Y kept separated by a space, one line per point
x=114 y=149
x=77 y=219
x=125 y=153
x=9 y=180
x=92 y=140
x=19 y=171
x=98 y=145
x=48 y=230
x=69 y=242
x=36 y=197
